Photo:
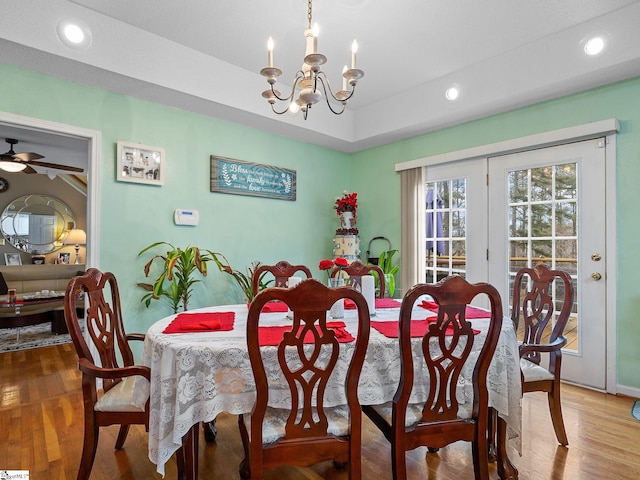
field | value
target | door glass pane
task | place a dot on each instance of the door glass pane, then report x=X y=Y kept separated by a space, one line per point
x=543 y=227
x=446 y=228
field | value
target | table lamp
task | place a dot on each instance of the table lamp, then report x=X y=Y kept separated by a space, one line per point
x=76 y=237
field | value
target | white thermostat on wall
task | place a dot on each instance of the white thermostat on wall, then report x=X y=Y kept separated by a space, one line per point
x=182 y=216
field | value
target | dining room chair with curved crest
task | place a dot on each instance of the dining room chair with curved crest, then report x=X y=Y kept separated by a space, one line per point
x=105 y=360
x=432 y=362
x=356 y=270
x=281 y=272
x=541 y=307
x=305 y=428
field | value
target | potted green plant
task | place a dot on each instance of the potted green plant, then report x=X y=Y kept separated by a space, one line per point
x=179 y=267
x=389 y=270
x=245 y=280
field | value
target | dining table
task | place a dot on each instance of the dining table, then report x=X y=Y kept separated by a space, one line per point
x=198 y=373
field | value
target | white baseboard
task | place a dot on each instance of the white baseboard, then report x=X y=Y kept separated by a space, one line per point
x=629 y=391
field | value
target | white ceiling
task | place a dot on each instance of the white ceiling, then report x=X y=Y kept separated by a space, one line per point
x=205 y=56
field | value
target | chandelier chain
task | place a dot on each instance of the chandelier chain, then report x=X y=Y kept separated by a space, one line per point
x=309 y=13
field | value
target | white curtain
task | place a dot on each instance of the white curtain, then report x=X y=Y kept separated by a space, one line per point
x=412 y=227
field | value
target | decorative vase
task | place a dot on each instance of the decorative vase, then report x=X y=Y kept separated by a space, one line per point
x=337 y=310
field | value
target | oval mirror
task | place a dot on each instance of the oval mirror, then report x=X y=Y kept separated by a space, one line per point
x=36 y=223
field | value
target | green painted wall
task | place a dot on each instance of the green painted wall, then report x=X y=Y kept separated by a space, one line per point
x=133 y=216
x=372 y=172
x=247 y=228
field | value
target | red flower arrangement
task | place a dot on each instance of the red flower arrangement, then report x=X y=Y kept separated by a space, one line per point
x=347 y=203
x=328 y=264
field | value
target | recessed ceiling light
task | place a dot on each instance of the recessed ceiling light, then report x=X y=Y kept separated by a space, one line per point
x=594 y=46
x=452 y=93
x=74 y=34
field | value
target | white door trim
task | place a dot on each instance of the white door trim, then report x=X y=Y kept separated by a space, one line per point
x=94 y=137
x=603 y=128
x=539 y=140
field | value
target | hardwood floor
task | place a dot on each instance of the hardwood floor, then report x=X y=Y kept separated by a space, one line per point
x=41 y=423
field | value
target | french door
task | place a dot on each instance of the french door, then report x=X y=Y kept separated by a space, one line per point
x=544 y=205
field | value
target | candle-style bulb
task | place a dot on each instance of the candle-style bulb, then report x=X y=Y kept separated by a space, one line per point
x=354 y=50
x=270 y=46
x=315 y=31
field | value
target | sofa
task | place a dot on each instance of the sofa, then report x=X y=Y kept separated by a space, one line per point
x=35 y=278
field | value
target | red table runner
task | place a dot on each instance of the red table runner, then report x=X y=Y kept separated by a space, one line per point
x=471 y=312
x=272 y=335
x=380 y=303
x=418 y=328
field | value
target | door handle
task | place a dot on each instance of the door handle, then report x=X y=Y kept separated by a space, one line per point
x=596 y=276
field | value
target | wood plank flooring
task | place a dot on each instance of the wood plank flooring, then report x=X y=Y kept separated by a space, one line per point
x=41 y=429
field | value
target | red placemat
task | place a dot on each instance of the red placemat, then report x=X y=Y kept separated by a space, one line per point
x=201 y=322
x=380 y=303
x=471 y=312
x=276 y=306
x=272 y=335
x=418 y=328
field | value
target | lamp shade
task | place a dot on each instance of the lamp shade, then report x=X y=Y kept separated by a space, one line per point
x=75 y=237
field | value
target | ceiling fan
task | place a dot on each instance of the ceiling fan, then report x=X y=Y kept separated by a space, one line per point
x=22 y=162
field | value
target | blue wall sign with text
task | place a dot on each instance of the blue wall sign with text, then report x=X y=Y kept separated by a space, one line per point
x=254 y=179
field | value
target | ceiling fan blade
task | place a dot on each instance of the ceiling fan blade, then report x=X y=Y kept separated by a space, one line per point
x=28 y=170
x=55 y=165
x=27 y=156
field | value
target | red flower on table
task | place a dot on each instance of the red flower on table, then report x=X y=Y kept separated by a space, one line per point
x=341 y=262
x=329 y=264
x=325 y=264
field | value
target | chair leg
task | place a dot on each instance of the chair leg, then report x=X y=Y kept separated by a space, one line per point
x=491 y=434
x=398 y=461
x=506 y=470
x=210 y=431
x=122 y=436
x=89 y=448
x=555 y=408
x=245 y=467
x=187 y=455
x=480 y=453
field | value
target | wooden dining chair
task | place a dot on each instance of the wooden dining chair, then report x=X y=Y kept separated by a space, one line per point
x=281 y=272
x=542 y=314
x=443 y=352
x=104 y=356
x=306 y=430
x=356 y=270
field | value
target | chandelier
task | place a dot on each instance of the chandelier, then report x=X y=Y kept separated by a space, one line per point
x=310 y=83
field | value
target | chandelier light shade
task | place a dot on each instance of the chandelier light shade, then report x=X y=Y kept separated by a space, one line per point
x=310 y=83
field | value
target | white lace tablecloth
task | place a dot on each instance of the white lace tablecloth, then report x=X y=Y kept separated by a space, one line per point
x=196 y=376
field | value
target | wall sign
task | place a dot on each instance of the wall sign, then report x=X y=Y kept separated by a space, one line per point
x=254 y=179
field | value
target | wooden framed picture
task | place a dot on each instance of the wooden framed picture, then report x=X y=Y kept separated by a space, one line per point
x=254 y=179
x=64 y=257
x=140 y=164
x=12 y=259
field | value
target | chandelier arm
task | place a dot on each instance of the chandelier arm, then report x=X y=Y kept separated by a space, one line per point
x=321 y=75
x=273 y=108
x=353 y=90
x=299 y=76
x=326 y=97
